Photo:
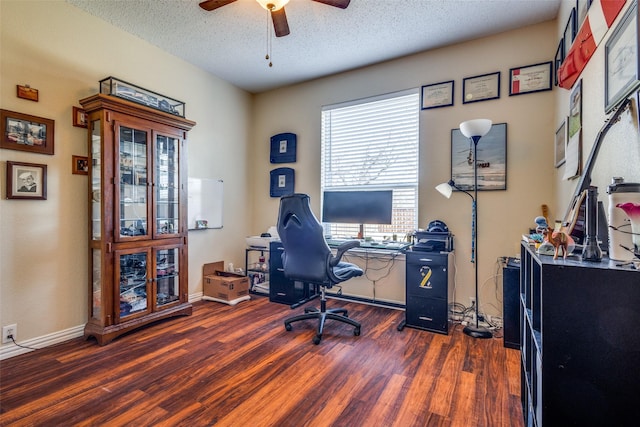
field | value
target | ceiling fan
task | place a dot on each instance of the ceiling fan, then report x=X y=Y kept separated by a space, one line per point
x=276 y=7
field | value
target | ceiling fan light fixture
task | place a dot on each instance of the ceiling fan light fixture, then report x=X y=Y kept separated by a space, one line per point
x=272 y=5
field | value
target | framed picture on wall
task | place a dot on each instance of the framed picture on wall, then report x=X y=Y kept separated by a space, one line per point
x=558 y=61
x=24 y=132
x=491 y=161
x=560 y=144
x=582 y=7
x=573 y=151
x=569 y=31
x=531 y=78
x=437 y=95
x=26 y=181
x=621 y=68
x=481 y=88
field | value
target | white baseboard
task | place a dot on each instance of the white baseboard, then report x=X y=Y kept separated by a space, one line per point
x=10 y=349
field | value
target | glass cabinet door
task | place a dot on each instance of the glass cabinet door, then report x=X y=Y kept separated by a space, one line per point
x=167 y=276
x=133 y=198
x=167 y=180
x=96 y=180
x=133 y=293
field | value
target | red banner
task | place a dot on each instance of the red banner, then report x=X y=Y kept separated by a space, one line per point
x=601 y=15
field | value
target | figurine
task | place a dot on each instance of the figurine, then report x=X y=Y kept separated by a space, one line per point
x=559 y=239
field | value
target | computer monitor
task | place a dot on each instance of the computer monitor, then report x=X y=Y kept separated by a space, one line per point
x=358 y=207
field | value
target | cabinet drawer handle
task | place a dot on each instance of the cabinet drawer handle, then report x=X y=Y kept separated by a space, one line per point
x=430 y=319
x=281 y=294
x=426 y=259
x=280 y=269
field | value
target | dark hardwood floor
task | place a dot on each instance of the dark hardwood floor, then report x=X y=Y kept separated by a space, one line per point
x=237 y=366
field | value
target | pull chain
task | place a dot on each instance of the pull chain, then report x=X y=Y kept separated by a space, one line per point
x=268 y=55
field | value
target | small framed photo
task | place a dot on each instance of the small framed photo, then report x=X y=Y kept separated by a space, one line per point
x=582 y=7
x=201 y=224
x=26 y=92
x=531 y=78
x=560 y=144
x=558 y=61
x=437 y=95
x=491 y=162
x=569 y=32
x=26 y=181
x=79 y=165
x=80 y=119
x=481 y=88
x=621 y=60
x=26 y=133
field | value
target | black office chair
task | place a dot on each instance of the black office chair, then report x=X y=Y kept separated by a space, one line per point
x=307 y=258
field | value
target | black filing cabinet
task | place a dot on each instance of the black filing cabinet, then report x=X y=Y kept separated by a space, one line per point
x=281 y=289
x=428 y=293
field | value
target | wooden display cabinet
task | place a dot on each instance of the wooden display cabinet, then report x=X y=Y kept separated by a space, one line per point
x=137 y=216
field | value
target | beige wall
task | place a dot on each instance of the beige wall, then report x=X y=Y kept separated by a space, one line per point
x=503 y=215
x=64 y=52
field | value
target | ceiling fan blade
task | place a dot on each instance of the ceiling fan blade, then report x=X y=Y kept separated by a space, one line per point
x=280 y=24
x=214 y=4
x=342 y=4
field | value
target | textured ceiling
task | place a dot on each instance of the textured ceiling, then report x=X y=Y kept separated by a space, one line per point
x=231 y=42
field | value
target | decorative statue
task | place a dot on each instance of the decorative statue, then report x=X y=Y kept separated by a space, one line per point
x=559 y=239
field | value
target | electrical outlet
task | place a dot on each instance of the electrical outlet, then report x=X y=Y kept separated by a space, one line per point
x=9 y=330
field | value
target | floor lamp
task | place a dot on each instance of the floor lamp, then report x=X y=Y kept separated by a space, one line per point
x=474 y=130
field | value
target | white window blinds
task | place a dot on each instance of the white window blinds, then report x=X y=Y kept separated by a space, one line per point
x=372 y=144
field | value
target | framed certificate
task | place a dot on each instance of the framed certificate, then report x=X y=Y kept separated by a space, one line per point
x=621 y=60
x=481 y=88
x=437 y=95
x=531 y=78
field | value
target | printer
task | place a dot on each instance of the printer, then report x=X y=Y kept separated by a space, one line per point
x=436 y=238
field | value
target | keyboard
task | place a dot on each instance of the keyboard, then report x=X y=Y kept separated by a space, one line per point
x=364 y=244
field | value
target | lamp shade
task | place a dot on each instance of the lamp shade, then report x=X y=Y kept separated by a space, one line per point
x=275 y=4
x=445 y=189
x=477 y=127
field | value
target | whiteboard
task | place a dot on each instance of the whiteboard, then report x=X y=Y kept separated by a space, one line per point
x=205 y=204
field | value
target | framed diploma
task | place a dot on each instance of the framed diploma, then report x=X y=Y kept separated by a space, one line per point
x=481 y=88
x=531 y=78
x=437 y=95
x=621 y=60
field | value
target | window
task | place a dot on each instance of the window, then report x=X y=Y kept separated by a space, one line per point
x=372 y=144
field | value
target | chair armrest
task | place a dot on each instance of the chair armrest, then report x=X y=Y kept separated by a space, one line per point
x=340 y=250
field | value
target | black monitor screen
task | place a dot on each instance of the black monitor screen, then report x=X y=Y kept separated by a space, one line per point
x=357 y=207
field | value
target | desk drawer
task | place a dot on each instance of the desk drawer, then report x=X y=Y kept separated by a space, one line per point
x=427 y=275
x=427 y=313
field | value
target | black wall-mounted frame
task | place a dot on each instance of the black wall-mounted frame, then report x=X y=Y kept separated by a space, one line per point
x=283 y=148
x=282 y=182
